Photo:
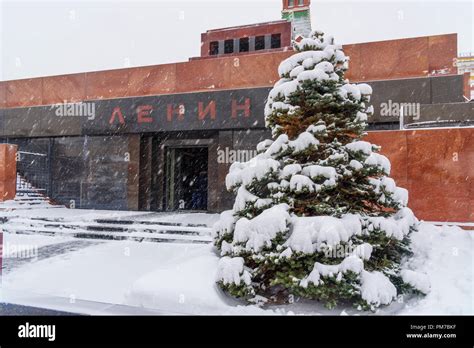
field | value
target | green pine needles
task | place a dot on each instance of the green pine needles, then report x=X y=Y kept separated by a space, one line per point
x=316 y=214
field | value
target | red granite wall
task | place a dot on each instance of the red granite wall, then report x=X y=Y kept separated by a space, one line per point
x=7 y=172
x=7 y=181
x=467 y=85
x=420 y=56
x=3 y=95
x=437 y=168
x=279 y=27
x=391 y=59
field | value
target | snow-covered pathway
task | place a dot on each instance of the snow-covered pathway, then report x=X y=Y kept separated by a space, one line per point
x=45 y=252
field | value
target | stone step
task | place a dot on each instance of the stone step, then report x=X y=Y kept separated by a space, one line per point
x=149 y=227
x=31 y=199
x=30 y=202
x=29 y=193
x=138 y=237
x=142 y=222
x=132 y=230
x=28 y=197
x=44 y=205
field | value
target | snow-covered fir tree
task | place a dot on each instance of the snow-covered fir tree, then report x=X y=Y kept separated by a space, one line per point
x=316 y=214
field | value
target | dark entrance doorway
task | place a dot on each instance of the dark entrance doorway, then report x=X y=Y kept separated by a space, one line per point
x=186 y=178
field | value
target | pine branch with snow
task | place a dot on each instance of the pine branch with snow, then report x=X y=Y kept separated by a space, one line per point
x=316 y=214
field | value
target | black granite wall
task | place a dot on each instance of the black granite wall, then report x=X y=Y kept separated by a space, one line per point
x=86 y=172
x=424 y=91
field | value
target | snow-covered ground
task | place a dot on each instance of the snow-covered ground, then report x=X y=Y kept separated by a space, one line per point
x=176 y=278
x=446 y=255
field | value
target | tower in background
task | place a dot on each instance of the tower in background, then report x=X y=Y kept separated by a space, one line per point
x=465 y=64
x=298 y=13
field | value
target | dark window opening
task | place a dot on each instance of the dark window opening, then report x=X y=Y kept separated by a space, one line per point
x=276 y=40
x=229 y=46
x=259 y=43
x=244 y=45
x=214 y=48
x=300 y=2
x=291 y=3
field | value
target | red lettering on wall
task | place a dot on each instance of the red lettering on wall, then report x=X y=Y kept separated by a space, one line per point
x=178 y=111
x=241 y=107
x=117 y=112
x=210 y=109
x=143 y=114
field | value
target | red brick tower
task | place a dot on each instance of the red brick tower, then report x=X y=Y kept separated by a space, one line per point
x=298 y=13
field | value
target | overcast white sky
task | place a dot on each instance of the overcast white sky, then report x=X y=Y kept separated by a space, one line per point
x=40 y=38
